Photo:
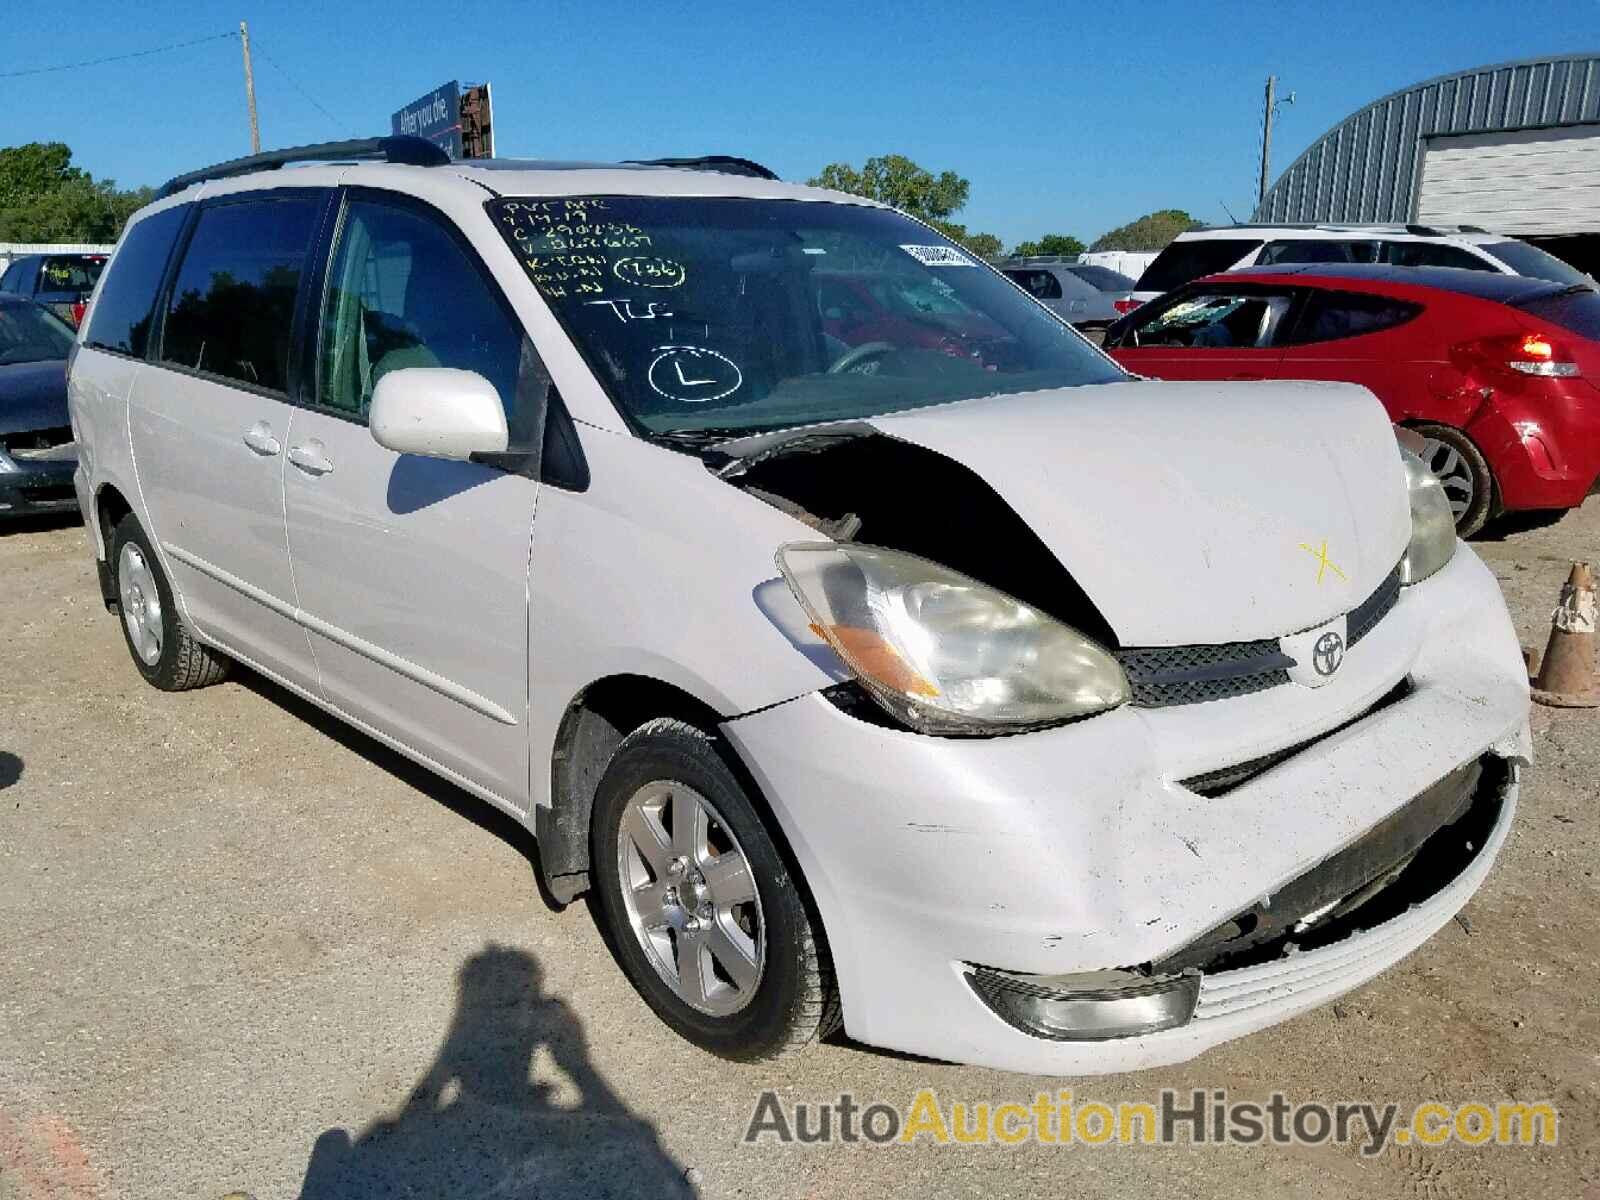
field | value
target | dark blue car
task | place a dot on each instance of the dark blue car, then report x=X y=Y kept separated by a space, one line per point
x=37 y=453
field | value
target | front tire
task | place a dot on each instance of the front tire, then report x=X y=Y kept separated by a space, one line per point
x=166 y=653
x=699 y=906
x=1464 y=474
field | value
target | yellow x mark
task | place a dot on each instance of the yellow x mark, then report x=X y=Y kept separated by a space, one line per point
x=1324 y=564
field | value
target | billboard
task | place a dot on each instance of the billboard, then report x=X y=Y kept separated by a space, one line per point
x=455 y=119
x=436 y=116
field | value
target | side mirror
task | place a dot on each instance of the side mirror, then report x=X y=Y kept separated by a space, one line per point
x=438 y=412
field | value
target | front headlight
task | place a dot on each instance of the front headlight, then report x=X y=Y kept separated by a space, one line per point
x=944 y=653
x=1433 y=525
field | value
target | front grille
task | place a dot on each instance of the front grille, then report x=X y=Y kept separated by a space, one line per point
x=1223 y=780
x=47 y=493
x=1161 y=676
x=1167 y=675
x=1365 y=616
x=36 y=439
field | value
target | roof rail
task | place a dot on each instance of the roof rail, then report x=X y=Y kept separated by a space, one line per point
x=411 y=151
x=726 y=163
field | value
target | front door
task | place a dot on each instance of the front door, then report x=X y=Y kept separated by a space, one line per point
x=209 y=422
x=413 y=572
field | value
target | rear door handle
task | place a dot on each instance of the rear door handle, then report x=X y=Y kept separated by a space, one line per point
x=259 y=438
x=309 y=457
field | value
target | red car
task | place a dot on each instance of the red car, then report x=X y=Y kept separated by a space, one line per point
x=1498 y=372
x=859 y=308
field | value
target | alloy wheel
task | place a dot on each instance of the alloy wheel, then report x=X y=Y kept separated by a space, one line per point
x=141 y=604
x=1453 y=472
x=691 y=897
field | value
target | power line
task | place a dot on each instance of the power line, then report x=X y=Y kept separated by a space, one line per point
x=310 y=99
x=95 y=62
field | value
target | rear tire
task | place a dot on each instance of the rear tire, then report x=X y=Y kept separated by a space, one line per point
x=166 y=653
x=700 y=908
x=1464 y=473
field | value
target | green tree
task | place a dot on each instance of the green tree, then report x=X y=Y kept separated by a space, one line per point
x=1150 y=232
x=894 y=179
x=44 y=198
x=1063 y=244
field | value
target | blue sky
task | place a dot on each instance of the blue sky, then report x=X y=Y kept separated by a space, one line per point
x=1066 y=118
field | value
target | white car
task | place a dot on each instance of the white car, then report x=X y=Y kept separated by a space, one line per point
x=995 y=704
x=1235 y=247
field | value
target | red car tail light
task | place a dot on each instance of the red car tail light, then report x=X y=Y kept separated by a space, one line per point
x=1126 y=305
x=1526 y=354
x=78 y=310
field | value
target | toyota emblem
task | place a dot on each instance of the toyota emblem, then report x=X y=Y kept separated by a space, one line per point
x=1327 y=654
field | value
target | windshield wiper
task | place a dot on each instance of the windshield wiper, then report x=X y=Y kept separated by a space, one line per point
x=697 y=438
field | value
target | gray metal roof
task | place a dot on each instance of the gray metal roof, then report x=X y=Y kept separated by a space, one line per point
x=1367 y=167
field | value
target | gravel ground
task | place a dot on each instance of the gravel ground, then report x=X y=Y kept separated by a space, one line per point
x=245 y=950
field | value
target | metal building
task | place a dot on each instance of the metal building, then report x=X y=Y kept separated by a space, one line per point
x=1514 y=148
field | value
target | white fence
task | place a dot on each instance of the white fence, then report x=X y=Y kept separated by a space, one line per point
x=13 y=250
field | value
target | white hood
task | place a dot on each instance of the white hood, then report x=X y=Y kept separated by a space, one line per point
x=1193 y=512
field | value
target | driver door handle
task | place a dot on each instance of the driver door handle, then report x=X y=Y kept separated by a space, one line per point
x=309 y=457
x=259 y=438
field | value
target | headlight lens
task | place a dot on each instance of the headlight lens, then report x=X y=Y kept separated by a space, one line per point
x=945 y=653
x=1433 y=525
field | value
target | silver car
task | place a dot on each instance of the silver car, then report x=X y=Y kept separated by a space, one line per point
x=1082 y=293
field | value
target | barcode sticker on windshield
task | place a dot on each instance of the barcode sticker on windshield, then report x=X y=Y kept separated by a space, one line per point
x=938 y=256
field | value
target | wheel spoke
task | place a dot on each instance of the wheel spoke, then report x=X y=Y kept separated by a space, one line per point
x=690 y=823
x=728 y=877
x=733 y=958
x=642 y=827
x=694 y=966
x=649 y=901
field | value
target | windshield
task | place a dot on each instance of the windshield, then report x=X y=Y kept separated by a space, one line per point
x=29 y=333
x=736 y=315
x=1536 y=263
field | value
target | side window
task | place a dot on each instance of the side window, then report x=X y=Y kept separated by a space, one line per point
x=1317 y=250
x=1042 y=284
x=1212 y=320
x=1434 y=254
x=122 y=313
x=232 y=305
x=11 y=281
x=1329 y=316
x=403 y=293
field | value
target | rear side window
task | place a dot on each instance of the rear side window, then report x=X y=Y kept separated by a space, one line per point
x=1577 y=309
x=1536 y=263
x=232 y=305
x=1103 y=279
x=1182 y=261
x=1040 y=284
x=1433 y=254
x=1329 y=316
x=1317 y=250
x=70 y=273
x=121 y=318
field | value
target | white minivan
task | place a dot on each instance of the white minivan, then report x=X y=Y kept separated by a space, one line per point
x=979 y=697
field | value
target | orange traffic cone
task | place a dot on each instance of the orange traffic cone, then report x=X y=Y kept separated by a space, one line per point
x=1566 y=674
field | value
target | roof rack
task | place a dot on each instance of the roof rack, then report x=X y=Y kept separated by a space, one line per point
x=410 y=151
x=725 y=163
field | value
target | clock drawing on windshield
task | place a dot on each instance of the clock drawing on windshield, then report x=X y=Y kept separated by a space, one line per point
x=693 y=374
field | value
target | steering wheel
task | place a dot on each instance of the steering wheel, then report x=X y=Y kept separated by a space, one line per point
x=856 y=355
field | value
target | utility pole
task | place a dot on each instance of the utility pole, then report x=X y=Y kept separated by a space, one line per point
x=1268 y=112
x=1266 y=129
x=250 y=93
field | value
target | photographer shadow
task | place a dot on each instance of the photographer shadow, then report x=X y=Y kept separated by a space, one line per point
x=477 y=1125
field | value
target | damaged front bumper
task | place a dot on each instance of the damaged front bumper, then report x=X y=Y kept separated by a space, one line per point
x=1081 y=851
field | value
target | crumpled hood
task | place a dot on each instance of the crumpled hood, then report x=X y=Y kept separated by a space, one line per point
x=33 y=396
x=1192 y=512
